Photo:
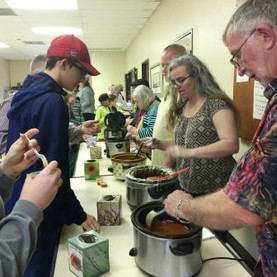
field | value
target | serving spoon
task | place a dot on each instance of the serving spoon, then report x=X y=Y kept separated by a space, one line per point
x=159 y=178
x=151 y=216
x=139 y=150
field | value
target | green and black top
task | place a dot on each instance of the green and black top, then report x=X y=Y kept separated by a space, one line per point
x=205 y=175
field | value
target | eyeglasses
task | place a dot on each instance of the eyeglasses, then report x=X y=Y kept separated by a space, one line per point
x=235 y=60
x=179 y=81
x=83 y=72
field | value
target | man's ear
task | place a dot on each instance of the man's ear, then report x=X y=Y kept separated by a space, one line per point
x=268 y=34
x=63 y=63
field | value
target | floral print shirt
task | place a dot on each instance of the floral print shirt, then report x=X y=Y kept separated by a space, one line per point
x=253 y=183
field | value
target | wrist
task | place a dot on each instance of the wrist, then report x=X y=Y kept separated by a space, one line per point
x=191 y=153
x=9 y=173
x=179 y=215
x=160 y=145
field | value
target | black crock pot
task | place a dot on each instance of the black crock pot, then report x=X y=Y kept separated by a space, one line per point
x=165 y=255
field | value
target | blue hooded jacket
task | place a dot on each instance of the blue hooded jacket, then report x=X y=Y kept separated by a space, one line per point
x=39 y=104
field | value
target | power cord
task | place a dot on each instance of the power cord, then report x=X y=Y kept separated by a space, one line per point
x=222 y=258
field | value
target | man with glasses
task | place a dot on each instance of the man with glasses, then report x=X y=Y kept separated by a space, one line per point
x=236 y=56
x=39 y=103
x=250 y=196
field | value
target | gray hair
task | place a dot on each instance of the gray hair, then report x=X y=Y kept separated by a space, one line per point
x=205 y=85
x=251 y=14
x=86 y=81
x=115 y=88
x=145 y=94
x=38 y=63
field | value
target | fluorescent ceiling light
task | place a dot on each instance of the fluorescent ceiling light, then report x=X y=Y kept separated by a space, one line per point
x=43 y=4
x=57 y=31
x=4 y=45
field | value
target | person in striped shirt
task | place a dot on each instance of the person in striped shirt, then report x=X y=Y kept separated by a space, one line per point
x=144 y=99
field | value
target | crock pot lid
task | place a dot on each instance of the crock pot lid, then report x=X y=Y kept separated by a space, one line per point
x=115 y=120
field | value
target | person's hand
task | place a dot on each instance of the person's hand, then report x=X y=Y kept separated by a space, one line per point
x=90 y=127
x=42 y=189
x=20 y=155
x=150 y=143
x=128 y=121
x=172 y=200
x=131 y=112
x=90 y=224
x=132 y=131
x=174 y=151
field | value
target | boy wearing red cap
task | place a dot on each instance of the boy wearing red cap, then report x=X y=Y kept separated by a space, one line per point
x=39 y=104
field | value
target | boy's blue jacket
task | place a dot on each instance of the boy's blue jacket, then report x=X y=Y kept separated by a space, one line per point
x=39 y=104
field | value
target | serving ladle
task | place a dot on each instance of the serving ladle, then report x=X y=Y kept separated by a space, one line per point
x=151 y=216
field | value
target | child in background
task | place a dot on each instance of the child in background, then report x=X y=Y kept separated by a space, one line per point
x=101 y=113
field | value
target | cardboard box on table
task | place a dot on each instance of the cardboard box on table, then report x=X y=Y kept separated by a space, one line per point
x=88 y=254
x=109 y=210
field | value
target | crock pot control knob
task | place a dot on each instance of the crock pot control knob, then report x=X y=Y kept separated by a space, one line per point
x=181 y=249
x=133 y=252
x=119 y=145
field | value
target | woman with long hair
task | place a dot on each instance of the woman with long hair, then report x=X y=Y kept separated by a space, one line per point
x=206 y=129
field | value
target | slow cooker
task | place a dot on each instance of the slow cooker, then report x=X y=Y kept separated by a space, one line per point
x=121 y=162
x=140 y=190
x=115 y=133
x=165 y=255
x=115 y=146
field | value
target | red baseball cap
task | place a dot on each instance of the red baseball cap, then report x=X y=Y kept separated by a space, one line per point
x=69 y=46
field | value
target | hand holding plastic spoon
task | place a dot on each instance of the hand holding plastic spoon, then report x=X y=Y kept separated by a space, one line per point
x=41 y=156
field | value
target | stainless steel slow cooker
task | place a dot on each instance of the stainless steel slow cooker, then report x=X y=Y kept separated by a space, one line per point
x=115 y=133
x=165 y=255
x=121 y=162
x=141 y=191
x=115 y=146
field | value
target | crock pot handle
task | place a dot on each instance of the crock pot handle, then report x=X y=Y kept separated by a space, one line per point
x=181 y=249
x=156 y=191
x=133 y=252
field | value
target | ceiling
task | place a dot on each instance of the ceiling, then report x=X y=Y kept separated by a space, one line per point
x=108 y=25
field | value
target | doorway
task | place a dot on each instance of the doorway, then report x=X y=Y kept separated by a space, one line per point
x=145 y=70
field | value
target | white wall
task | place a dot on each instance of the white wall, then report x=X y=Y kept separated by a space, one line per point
x=175 y=17
x=4 y=76
x=112 y=66
x=18 y=71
